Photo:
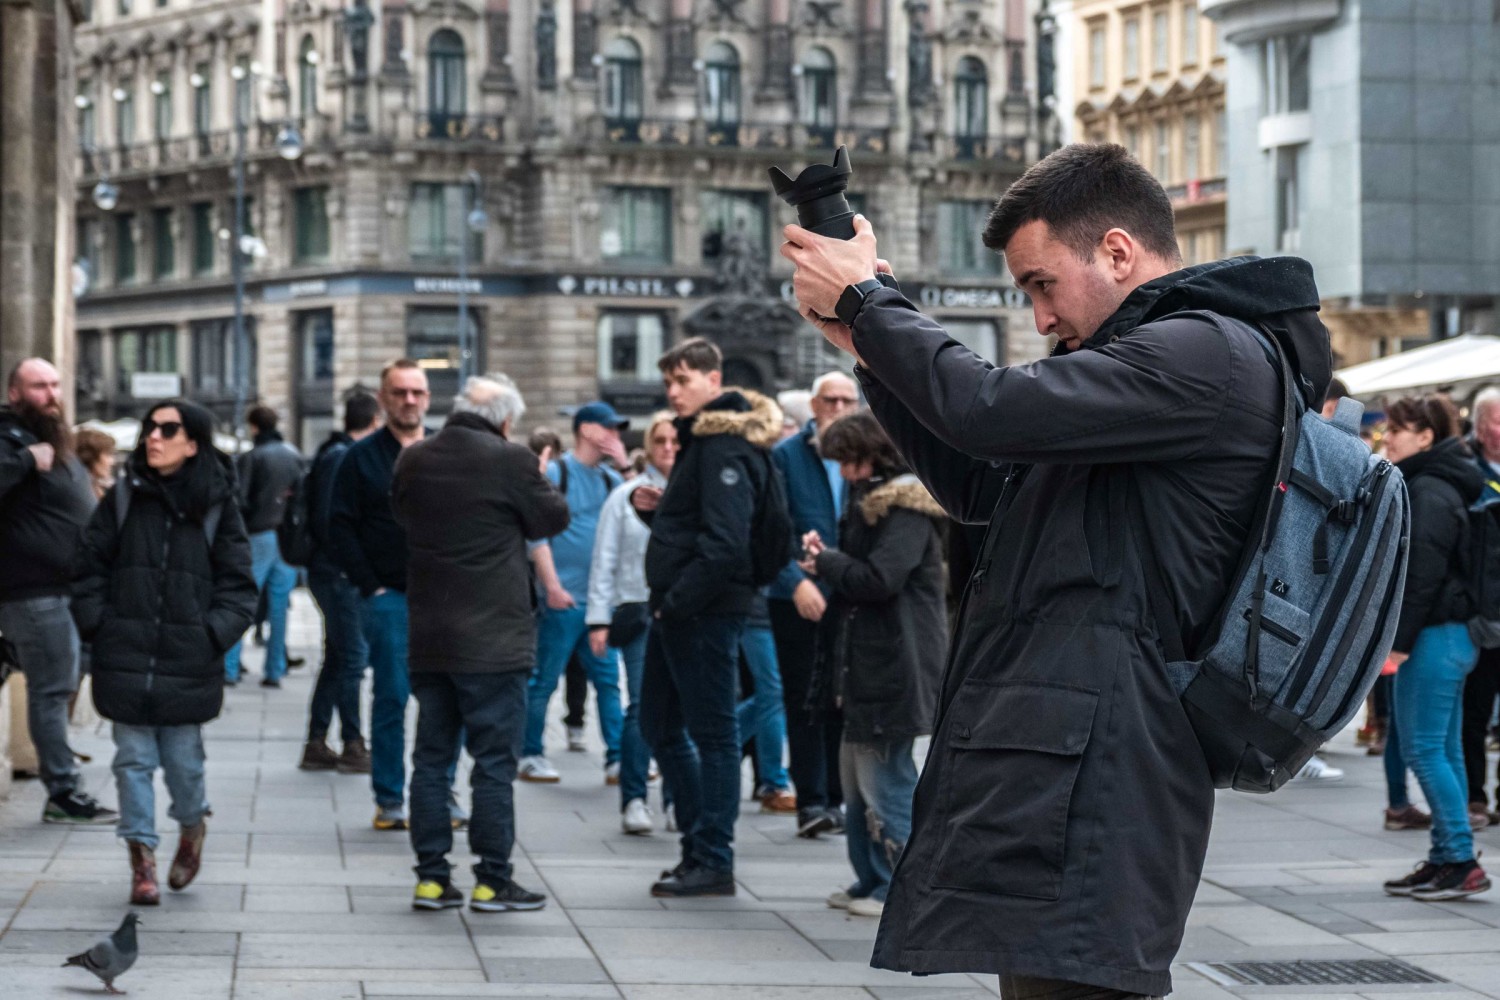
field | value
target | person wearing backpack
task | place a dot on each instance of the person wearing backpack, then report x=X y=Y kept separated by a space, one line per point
x=1433 y=650
x=162 y=589
x=1061 y=820
x=719 y=533
x=345 y=651
x=884 y=641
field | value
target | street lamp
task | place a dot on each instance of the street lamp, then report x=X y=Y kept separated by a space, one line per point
x=243 y=246
x=475 y=221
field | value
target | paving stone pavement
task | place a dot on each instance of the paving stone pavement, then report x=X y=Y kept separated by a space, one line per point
x=300 y=899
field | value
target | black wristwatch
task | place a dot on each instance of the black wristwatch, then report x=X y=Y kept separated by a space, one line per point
x=854 y=297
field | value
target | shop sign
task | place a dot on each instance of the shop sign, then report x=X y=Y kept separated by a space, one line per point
x=155 y=385
x=626 y=287
x=304 y=289
x=446 y=286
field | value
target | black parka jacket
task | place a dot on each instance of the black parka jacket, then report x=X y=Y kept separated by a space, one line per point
x=1062 y=817
x=698 y=560
x=1441 y=482
x=469 y=501
x=886 y=629
x=159 y=606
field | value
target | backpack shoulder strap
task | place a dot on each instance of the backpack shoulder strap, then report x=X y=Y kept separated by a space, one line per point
x=562 y=476
x=122 y=500
x=211 y=522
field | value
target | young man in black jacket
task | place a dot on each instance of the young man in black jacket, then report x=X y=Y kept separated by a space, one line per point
x=45 y=504
x=1060 y=823
x=699 y=569
x=370 y=547
x=345 y=652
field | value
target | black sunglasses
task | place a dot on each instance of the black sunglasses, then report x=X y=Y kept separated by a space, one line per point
x=168 y=428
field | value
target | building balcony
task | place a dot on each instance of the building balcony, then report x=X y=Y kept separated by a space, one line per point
x=1245 y=21
x=979 y=148
x=440 y=126
x=647 y=133
x=202 y=149
x=1198 y=191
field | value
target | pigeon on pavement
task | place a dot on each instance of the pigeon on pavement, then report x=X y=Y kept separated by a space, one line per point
x=111 y=956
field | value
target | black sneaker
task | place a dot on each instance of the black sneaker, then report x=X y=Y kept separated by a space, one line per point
x=499 y=896
x=269 y=682
x=676 y=869
x=1424 y=873
x=695 y=880
x=76 y=807
x=1454 y=881
x=431 y=894
x=811 y=822
x=836 y=814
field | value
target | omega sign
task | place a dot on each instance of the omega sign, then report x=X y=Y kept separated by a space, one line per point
x=941 y=297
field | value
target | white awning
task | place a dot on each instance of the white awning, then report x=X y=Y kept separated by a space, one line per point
x=1462 y=365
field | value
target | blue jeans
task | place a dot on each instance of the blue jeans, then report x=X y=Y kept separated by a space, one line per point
x=345 y=653
x=688 y=718
x=487 y=712
x=561 y=634
x=139 y=751
x=635 y=755
x=879 y=780
x=385 y=624
x=270 y=572
x=1398 y=795
x=1429 y=714
x=46 y=643
x=763 y=715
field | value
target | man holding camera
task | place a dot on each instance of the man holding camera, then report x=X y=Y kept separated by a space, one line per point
x=1062 y=818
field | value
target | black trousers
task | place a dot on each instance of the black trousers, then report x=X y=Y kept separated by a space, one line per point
x=812 y=738
x=576 y=690
x=1479 y=708
x=1032 y=988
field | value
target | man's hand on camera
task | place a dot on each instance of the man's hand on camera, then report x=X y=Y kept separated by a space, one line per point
x=825 y=267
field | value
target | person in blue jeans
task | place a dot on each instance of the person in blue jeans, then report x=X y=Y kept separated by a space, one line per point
x=563 y=565
x=883 y=646
x=763 y=714
x=370 y=547
x=267 y=474
x=618 y=594
x=1432 y=648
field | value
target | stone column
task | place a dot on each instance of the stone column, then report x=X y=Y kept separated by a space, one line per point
x=776 y=85
x=36 y=184
x=497 y=71
x=872 y=81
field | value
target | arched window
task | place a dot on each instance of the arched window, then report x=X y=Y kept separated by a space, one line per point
x=970 y=106
x=819 y=103
x=307 y=78
x=620 y=92
x=447 y=90
x=721 y=90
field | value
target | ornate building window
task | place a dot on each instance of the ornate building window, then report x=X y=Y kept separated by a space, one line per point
x=161 y=90
x=310 y=210
x=970 y=107
x=447 y=90
x=637 y=226
x=621 y=90
x=124 y=96
x=307 y=78
x=721 y=87
x=818 y=107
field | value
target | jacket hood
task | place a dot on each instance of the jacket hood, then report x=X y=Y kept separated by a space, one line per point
x=744 y=413
x=1278 y=292
x=1450 y=461
x=903 y=491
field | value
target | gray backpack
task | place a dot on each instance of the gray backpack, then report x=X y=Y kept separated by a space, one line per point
x=1313 y=606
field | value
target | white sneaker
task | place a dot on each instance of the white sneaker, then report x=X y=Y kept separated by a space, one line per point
x=653 y=773
x=538 y=769
x=671 y=820
x=840 y=899
x=575 y=739
x=1317 y=769
x=866 y=907
x=612 y=773
x=637 y=818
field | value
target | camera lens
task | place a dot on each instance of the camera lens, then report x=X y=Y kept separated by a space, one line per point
x=817 y=193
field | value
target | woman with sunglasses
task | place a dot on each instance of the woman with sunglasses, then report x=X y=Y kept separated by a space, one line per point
x=163 y=589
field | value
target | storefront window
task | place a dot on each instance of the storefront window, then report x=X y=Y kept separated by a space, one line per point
x=629 y=344
x=432 y=341
x=981 y=336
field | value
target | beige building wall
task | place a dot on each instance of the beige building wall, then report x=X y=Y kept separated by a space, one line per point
x=1150 y=76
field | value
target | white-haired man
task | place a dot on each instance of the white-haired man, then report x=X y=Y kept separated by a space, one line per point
x=1483 y=684
x=470 y=501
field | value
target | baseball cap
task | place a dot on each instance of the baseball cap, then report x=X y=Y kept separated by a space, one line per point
x=599 y=412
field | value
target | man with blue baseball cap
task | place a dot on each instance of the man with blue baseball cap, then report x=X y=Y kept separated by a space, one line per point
x=562 y=569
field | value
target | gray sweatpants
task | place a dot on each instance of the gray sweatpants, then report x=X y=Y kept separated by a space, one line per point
x=46 y=642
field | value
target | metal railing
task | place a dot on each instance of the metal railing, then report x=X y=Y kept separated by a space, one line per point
x=444 y=127
x=1008 y=149
x=200 y=148
x=1200 y=189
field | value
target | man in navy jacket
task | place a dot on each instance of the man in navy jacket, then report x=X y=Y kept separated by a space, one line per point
x=815 y=491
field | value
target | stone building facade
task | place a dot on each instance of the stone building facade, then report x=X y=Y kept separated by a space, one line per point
x=1150 y=75
x=584 y=181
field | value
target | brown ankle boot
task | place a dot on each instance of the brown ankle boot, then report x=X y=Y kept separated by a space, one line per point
x=316 y=756
x=143 y=888
x=189 y=856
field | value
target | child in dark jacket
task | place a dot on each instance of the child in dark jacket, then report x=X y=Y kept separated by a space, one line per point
x=884 y=644
x=162 y=590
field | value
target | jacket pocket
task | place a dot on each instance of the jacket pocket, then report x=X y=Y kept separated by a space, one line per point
x=1013 y=752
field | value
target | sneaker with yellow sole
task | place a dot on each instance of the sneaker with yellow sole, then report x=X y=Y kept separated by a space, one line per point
x=502 y=895
x=433 y=895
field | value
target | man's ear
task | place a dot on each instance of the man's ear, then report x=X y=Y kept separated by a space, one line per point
x=1121 y=253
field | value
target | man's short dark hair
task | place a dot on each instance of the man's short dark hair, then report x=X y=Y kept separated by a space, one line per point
x=1337 y=390
x=262 y=418
x=1081 y=192
x=400 y=364
x=360 y=411
x=697 y=354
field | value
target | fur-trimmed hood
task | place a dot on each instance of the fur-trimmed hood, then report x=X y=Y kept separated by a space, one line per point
x=744 y=413
x=903 y=491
